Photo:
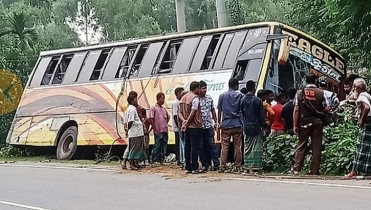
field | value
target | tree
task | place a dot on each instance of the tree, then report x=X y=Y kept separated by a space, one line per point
x=28 y=27
x=25 y=37
x=180 y=15
x=241 y=12
x=344 y=25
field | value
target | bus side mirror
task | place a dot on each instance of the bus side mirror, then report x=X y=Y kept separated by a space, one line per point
x=284 y=53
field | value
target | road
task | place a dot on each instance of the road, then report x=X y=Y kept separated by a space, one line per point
x=59 y=188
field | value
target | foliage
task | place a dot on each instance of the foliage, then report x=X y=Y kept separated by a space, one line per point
x=342 y=24
x=279 y=153
x=241 y=12
x=337 y=154
x=339 y=148
x=7 y=151
x=24 y=36
x=28 y=27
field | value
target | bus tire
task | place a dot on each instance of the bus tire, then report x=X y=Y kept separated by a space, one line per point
x=67 y=144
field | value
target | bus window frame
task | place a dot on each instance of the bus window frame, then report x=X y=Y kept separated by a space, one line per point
x=216 y=52
x=142 y=46
x=249 y=43
x=160 y=59
x=101 y=70
x=28 y=84
x=40 y=72
x=63 y=56
x=168 y=47
x=114 y=64
x=229 y=62
x=87 y=69
x=104 y=68
x=132 y=63
x=219 y=60
x=179 y=67
x=74 y=72
x=54 y=70
x=200 y=53
x=150 y=58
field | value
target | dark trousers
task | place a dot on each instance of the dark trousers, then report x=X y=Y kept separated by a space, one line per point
x=177 y=146
x=243 y=148
x=208 y=151
x=160 y=147
x=192 y=145
x=315 y=132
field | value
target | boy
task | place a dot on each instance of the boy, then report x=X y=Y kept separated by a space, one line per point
x=147 y=130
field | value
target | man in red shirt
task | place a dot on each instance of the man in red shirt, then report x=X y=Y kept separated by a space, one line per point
x=278 y=127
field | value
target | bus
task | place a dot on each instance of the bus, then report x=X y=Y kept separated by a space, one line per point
x=75 y=98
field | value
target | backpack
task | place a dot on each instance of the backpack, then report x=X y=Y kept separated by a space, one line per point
x=326 y=118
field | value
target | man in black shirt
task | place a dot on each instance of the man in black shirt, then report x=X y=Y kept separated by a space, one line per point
x=253 y=122
x=287 y=112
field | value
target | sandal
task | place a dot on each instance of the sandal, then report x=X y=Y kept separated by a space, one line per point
x=351 y=175
x=221 y=170
x=295 y=173
x=134 y=168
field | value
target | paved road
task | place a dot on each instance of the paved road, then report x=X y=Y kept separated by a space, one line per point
x=63 y=188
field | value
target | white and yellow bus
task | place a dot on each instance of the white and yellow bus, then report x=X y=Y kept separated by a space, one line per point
x=72 y=98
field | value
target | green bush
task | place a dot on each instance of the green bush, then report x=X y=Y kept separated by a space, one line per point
x=337 y=154
x=278 y=153
x=8 y=151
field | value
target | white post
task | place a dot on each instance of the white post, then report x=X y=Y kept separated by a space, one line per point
x=180 y=16
x=221 y=13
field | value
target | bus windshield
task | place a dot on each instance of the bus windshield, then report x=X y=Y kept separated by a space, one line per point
x=306 y=55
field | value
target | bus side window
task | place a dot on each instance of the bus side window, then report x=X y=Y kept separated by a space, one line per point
x=186 y=54
x=74 y=67
x=170 y=56
x=234 y=48
x=62 y=68
x=205 y=52
x=212 y=51
x=125 y=62
x=87 y=68
x=150 y=58
x=222 y=52
x=113 y=65
x=50 y=70
x=95 y=75
x=137 y=61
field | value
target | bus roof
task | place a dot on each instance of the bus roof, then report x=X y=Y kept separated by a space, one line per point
x=181 y=35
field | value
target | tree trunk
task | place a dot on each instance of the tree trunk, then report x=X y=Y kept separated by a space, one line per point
x=180 y=15
x=221 y=13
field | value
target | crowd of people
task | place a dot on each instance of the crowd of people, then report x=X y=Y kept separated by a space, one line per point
x=244 y=119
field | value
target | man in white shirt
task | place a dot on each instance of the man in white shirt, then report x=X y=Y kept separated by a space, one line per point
x=135 y=133
x=179 y=142
x=331 y=96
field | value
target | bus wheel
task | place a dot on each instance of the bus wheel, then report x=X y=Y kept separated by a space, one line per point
x=67 y=144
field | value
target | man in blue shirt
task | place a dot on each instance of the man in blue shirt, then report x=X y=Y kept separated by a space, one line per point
x=253 y=117
x=207 y=150
x=229 y=118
